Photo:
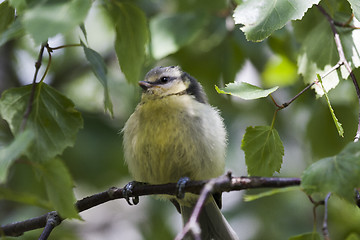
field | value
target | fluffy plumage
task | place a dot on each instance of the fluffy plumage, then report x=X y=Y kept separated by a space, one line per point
x=175 y=133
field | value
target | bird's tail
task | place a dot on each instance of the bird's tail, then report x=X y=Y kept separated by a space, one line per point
x=212 y=223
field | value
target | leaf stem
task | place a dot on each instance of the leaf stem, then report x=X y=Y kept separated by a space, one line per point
x=32 y=94
x=49 y=50
x=316 y=204
x=286 y=104
x=65 y=46
x=274 y=118
x=347 y=23
x=38 y=64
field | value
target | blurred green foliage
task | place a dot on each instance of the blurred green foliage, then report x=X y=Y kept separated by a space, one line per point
x=201 y=37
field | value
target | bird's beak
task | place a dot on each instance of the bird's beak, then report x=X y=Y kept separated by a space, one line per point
x=145 y=85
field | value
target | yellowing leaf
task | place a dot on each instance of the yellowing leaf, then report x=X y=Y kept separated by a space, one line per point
x=336 y=121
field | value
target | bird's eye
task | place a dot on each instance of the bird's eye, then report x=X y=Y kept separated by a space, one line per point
x=164 y=79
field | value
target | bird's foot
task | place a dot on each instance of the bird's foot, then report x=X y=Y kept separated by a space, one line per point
x=180 y=187
x=128 y=191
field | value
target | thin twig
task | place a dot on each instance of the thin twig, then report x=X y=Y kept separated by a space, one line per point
x=53 y=219
x=222 y=184
x=37 y=68
x=343 y=61
x=49 y=50
x=192 y=225
x=357 y=197
x=316 y=204
x=325 y=226
x=32 y=94
x=65 y=46
x=284 y=105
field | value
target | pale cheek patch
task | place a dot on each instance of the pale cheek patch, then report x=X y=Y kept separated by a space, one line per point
x=168 y=89
x=176 y=87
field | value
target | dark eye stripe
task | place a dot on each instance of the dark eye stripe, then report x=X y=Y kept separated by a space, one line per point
x=164 y=80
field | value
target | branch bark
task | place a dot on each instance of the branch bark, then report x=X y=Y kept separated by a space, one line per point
x=325 y=221
x=225 y=183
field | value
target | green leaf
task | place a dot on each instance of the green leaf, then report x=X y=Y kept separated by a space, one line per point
x=7 y=15
x=131 y=38
x=15 y=30
x=99 y=68
x=46 y=20
x=339 y=174
x=245 y=90
x=307 y=236
x=59 y=187
x=336 y=121
x=355 y=5
x=23 y=197
x=53 y=119
x=167 y=39
x=11 y=152
x=318 y=57
x=262 y=17
x=248 y=198
x=263 y=150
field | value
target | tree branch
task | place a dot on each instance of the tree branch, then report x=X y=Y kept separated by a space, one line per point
x=325 y=225
x=221 y=184
x=343 y=61
x=52 y=220
x=284 y=105
x=192 y=225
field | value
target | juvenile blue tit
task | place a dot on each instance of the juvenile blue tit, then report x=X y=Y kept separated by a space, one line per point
x=174 y=133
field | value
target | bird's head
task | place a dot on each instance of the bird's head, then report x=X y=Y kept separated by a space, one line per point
x=161 y=82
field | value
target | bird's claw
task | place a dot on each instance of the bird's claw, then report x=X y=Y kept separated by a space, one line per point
x=180 y=187
x=127 y=192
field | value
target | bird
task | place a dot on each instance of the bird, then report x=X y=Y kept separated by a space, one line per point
x=174 y=133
